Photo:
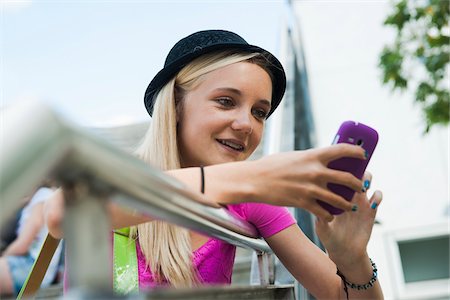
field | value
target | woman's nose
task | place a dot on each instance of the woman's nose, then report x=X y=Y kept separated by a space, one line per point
x=243 y=123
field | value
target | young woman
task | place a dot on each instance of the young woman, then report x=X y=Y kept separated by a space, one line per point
x=209 y=105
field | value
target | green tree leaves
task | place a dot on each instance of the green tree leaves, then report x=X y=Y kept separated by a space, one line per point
x=419 y=57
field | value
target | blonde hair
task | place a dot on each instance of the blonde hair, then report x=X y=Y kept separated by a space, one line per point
x=166 y=247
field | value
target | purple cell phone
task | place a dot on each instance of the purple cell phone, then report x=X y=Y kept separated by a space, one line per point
x=355 y=133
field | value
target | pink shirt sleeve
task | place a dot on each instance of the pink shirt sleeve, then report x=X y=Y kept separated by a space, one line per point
x=267 y=219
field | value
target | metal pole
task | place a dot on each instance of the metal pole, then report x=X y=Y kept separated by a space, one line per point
x=87 y=235
x=304 y=131
x=271 y=268
x=263 y=268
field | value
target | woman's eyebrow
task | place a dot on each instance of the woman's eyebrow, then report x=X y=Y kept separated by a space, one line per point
x=266 y=102
x=229 y=89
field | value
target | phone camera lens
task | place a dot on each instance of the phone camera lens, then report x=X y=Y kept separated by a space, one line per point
x=359 y=142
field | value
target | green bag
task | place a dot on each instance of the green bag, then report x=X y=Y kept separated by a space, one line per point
x=125 y=269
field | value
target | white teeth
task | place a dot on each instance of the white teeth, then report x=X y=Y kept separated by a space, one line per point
x=232 y=145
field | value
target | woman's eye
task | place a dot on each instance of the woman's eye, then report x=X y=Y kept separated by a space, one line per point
x=227 y=102
x=260 y=114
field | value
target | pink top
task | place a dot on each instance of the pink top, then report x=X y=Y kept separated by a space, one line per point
x=214 y=260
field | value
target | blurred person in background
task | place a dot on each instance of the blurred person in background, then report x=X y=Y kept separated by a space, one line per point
x=18 y=257
x=8 y=230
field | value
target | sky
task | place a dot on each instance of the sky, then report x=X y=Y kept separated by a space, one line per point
x=92 y=61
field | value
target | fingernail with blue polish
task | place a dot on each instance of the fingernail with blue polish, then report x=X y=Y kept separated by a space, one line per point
x=355 y=207
x=366 y=155
x=367 y=184
x=374 y=205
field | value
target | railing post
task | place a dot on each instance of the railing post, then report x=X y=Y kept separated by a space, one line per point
x=87 y=236
x=266 y=268
x=271 y=267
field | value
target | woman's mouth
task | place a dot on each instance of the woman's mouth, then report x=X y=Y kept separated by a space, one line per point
x=232 y=145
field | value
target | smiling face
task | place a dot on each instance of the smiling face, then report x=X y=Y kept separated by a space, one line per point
x=222 y=118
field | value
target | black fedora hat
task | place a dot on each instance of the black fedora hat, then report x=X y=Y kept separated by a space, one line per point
x=207 y=41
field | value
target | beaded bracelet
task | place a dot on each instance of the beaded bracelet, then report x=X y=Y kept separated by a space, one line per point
x=360 y=286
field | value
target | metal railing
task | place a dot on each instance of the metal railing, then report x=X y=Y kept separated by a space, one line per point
x=36 y=143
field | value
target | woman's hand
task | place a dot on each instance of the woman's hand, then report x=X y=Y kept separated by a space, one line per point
x=346 y=237
x=300 y=178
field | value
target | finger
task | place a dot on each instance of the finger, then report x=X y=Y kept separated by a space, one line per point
x=375 y=200
x=344 y=178
x=367 y=180
x=342 y=150
x=331 y=198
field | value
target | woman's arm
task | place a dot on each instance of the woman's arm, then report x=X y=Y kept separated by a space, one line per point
x=294 y=179
x=30 y=229
x=306 y=262
x=345 y=239
x=316 y=271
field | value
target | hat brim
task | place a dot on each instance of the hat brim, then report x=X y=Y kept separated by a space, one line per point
x=170 y=70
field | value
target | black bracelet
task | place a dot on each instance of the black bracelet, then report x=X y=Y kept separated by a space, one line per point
x=360 y=286
x=202 y=176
